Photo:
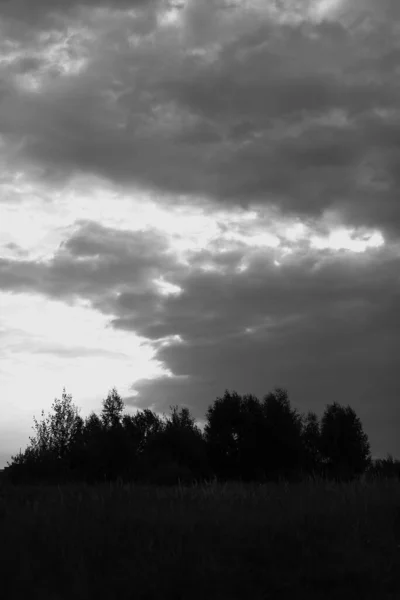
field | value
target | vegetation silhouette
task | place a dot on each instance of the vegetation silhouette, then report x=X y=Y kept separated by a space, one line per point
x=343 y=443
x=244 y=439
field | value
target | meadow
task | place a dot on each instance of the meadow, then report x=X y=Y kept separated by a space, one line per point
x=215 y=541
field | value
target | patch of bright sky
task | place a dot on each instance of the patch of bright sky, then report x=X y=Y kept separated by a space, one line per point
x=255 y=240
x=296 y=232
x=343 y=239
x=166 y=288
x=189 y=229
x=169 y=341
x=45 y=352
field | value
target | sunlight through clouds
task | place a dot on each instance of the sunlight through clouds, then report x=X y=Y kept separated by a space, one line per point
x=189 y=230
x=343 y=239
x=167 y=289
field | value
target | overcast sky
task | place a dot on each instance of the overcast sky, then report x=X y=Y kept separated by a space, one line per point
x=199 y=195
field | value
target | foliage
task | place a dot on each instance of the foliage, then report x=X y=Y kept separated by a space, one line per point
x=283 y=435
x=57 y=432
x=178 y=447
x=113 y=407
x=386 y=468
x=249 y=439
x=224 y=431
x=47 y=456
x=311 y=438
x=244 y=439
x=344 y=445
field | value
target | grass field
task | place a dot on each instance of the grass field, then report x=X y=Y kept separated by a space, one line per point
x=307 y=540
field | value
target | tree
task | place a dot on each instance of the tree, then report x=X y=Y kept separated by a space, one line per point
x=223 y=424
x=76 y=447
x=56 y=433
x=113 y=437
x=311 y=438
x=344 y=445
x=113 y=407
x=141 y=427
x=93 y=426
x=283 y=448
x=24 y=466
x=139 y=430
x=178 y=447
x=49 y=453
x=249 y=439
x=181 y=418
x=85 y=452
x=385 y=468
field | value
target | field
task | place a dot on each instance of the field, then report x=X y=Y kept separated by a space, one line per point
x=220 y=541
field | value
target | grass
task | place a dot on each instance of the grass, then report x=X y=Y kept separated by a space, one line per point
x=312 y=541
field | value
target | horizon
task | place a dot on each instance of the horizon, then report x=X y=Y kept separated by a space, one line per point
x=199 y=422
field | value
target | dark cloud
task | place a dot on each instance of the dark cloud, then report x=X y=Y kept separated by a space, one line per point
x=26 y=22
x=24 y=10
x=93 y=262
x=324 y=344
x=220 y=305
x=279 y=114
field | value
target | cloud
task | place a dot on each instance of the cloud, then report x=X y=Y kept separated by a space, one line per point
x=92 y=261
x=222 y=103
x=319 y=314
x=24 y=10
x=326 y=330
x=77 y=352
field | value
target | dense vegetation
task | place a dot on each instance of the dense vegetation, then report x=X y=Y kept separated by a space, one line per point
x=244 y=439
x=216 y=541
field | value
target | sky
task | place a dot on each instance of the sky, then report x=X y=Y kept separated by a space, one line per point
x=199 y=195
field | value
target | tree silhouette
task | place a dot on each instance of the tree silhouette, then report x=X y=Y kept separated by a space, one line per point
x=244 y=439
x=344 y=445
x=113 y=407
x=385 y=468
x=311 y=438
x=89 y=451
x=284 y=448
x=75 y=451
x=56 y=432
x=178 y=447
x=113 y=437
x=222 y=433
x=138 y=429
x=48 y=454
x=250 y=439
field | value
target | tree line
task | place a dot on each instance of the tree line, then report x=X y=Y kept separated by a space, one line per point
x=244 y=439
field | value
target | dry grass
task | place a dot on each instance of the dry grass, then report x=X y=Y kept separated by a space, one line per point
x=210 y=542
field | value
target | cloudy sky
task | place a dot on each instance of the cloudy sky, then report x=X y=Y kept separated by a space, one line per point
x=198 y=195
